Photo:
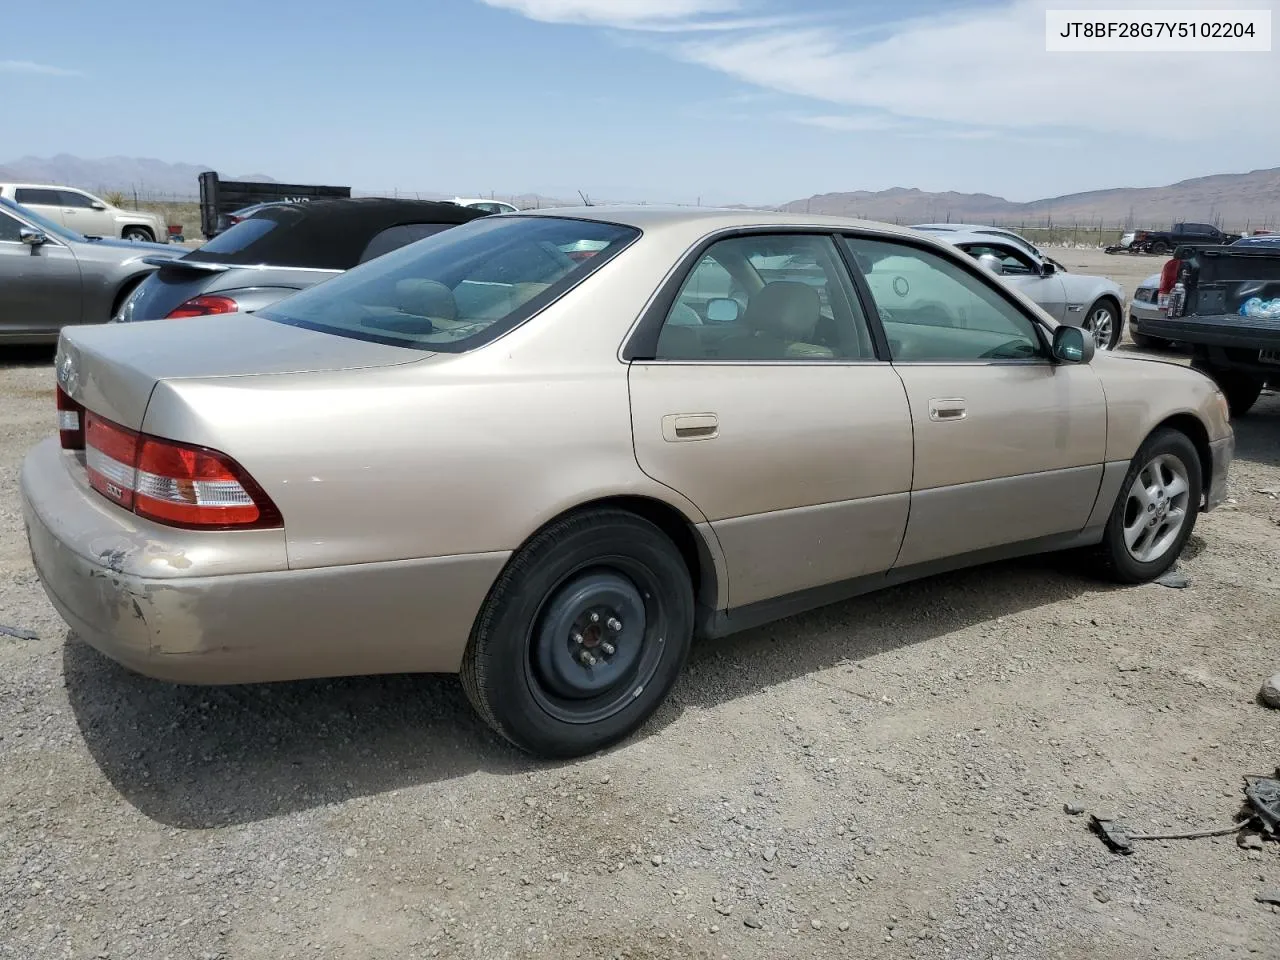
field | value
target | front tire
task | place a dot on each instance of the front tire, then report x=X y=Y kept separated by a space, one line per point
x=1155 y=511
x=583 y=635
x=139 y=234
x=1103 y=324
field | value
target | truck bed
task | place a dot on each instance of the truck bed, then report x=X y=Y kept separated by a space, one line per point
x=1224 y=330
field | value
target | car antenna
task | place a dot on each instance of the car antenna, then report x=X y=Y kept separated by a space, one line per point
x=586 y=201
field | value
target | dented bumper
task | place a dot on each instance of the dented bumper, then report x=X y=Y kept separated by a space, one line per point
x=223 y=607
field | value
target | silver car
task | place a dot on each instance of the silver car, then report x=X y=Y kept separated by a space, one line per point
x=52 y=277
x=1081 y=300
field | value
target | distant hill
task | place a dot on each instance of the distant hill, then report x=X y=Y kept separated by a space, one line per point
x=1234 y=200
x=146 y=176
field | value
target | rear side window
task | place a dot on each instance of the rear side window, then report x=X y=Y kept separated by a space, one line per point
x=47 y=198
x=72 y=199
x=393 y=238
x=456 y=290
x=236 y=238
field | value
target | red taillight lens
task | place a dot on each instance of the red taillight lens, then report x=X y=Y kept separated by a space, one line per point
x=111 y=456
x=1168 y=275
x=203 y=306
x=173 y=483
x=70 y=421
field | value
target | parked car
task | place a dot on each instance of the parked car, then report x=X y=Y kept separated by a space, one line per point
x=51 y=277
x=488 y=206
x=1094 y=303
x=1165 y=241
x=85 y=214
x=282 y=248
x=228 y=220
x=479 y=454
x=1005 y=234
x=1147 y=311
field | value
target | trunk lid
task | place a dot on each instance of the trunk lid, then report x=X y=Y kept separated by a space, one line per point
x=111 y=369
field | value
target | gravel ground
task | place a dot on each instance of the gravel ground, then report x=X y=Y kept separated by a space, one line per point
x=885 y=777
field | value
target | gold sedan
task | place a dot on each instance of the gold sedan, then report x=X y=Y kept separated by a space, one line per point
x=547 y=450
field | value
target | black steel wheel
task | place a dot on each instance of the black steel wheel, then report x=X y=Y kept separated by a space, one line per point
x=583 y=635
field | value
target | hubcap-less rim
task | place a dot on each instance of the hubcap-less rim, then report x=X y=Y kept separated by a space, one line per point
x=595 y=643
x=1100 y=325
x=1156 y=508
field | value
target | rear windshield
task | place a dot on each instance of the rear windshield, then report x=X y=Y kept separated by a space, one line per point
x=234 y=239
x=458 y=289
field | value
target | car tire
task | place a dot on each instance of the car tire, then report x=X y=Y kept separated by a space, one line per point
x=140 y=234
x=1104 y=317
x=1144 y=342
x=1241 y=389
x=1140 y=542
x=1158 y=247
x=582 y=636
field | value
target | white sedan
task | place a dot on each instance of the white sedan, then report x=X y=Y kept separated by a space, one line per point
x=1094 y=303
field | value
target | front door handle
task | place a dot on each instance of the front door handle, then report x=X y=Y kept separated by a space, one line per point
x=682 y=427
x=947 y=408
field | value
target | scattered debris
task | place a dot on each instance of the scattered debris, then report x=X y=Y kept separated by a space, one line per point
x=1272 y=492
x=1174 y=580
x=1269 y=694
x=1101 y=896
x=770 y=853
x=1270 y=895
x=751 y=922
x=1120 y=838
x=1074 y=809
x=1250 y=841
x=20 y=632
x=1263 y=794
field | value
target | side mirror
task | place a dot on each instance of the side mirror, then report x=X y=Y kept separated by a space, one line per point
x=1047 y=269
x=96 y=205
x=32 y=238
x=991 y=262
x=1073 y=345
x=723 y=310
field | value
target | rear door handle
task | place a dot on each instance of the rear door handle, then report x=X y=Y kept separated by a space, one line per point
x=682 y=427
x=947 y=408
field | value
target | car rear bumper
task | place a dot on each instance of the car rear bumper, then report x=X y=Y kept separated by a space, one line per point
x=1221 y=453
x=128 y=594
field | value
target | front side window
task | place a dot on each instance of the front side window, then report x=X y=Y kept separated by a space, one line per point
x=78 y=200
x=456 y=290
x=1013 y=263
x=43 y=198
x=933 y=309
x=767 y=297
x=10 y=229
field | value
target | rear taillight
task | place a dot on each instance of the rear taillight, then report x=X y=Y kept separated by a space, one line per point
x=70 y=422
x=1168 y=276
x=173 y=483
x=203 y=306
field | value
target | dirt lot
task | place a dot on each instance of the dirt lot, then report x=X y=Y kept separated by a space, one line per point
x=885 y=777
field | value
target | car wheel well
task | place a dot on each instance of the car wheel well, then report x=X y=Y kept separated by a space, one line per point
x=126 y=288
x=671 y=522
x=139 y=228
x=1194 y=431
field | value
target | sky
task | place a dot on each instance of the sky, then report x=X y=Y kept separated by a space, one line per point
x=712 y=101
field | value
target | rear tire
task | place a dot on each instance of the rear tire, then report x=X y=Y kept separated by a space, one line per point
x=1154 y=512
x=1143 y=342
x=583 y=635
x=1159 y=247
x=140 y=234
x=1241 y=389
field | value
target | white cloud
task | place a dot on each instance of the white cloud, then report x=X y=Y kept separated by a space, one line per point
x=42 y=69
x=987 y=67
x=615 y=13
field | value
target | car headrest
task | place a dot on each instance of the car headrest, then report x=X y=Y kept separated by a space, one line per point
x=784 y=308
x=426 y=298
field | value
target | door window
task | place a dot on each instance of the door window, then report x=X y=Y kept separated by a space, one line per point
x=45 y=198
x=1013 y=263
x=767 y=297
x=10 y=229
x=934 y=310
x=78 y=200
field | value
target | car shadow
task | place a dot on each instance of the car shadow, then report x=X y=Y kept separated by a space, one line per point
x=27 y=356
x=1258 y=433
x=199 y=757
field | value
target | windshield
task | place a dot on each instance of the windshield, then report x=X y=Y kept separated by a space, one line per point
x=458 y=289
x=48 y=226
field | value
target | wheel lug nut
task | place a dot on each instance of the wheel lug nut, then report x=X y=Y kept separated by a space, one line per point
x=595 y=618
x=614 y=624
x=608 y=648
x=587 y=659
x=577 y=638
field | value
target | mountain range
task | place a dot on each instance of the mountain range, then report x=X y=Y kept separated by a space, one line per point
x=1233 y=200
